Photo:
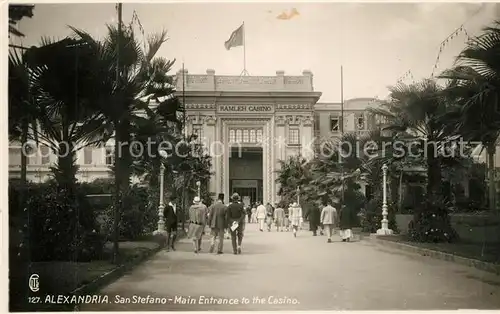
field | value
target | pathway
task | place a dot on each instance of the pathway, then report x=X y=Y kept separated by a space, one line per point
x=303 y=273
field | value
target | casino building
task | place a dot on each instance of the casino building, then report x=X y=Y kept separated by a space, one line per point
x=247 y=124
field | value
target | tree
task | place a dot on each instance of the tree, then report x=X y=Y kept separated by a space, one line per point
x=22 y=103
x=16 y=13
x=141 y=77
x=414 y=115
x=292 y=175
x=474 y=90
x=63 y=88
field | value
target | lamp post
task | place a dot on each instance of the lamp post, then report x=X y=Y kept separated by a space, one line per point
x=198 y=184
x=384 y=228
x=161 y=206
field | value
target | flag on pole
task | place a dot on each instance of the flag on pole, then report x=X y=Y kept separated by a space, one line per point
x=236 y=38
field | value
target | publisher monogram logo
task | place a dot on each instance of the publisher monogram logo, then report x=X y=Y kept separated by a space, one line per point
x=34 y=284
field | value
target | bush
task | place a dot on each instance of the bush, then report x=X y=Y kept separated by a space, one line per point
x=57 y=224
x=431 y=223
x=138 y=218
x=371 y=219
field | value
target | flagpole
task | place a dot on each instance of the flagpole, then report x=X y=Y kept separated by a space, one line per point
x=342 y=128
x=245 y=72
x=184 y=99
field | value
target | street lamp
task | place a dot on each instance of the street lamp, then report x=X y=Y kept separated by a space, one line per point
x=384 y=228
x=198 y=184
x=161 y=206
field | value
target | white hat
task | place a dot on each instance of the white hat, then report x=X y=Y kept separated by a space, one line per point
x=294 y=204
x=196 y=199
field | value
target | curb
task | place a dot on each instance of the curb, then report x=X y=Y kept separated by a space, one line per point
x=114 y=274
x=470 y=262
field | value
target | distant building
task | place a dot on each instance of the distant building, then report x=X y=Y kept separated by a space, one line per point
x=247 y=123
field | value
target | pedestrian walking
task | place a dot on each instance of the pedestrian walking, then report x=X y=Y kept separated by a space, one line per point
x=279 y=218
x=347 y=220
x=197 y=222
x=254 y=214
x=328 y=218
x=313 y=215
x=269 y=216
x=287 y=218
x=261 y=215
x=217 y=224
x=170 y=217
x=235 y=218
x=248 y=210
x=295 y=217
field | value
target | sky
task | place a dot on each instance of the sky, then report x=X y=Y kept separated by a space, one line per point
x=376 y=43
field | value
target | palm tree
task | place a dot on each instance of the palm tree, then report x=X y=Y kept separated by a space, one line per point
x=413 y=113
x=22 y=103
x=62 y=95
x=141 y=78
x=292 y=175
x=474 y=89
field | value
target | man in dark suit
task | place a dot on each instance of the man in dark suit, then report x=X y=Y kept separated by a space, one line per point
x=170 y=217
x=236 y=214
x=217 y=222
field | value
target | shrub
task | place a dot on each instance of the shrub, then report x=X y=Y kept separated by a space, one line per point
x=139 y=217
x=431 y=223
x=371 y=217
x=56 y=224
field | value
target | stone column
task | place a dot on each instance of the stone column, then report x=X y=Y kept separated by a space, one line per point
x=209 y=133
x=265 y=165
x=280 y=146
x=272 y=163
x=225 y=164
x=307 y=137
x=219 y=153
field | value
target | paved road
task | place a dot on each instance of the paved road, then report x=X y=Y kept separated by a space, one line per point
x=307 y=271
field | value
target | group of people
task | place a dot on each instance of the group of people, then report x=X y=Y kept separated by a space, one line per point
x=231 y=219
x=321 y=218
x=220 y=218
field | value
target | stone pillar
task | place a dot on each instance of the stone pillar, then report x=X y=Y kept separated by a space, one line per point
x=265 y=165
x=210 y=142
x=218 y=159
x=225 y=164
x=272 y=163
x=307 y=131
x=280 y=146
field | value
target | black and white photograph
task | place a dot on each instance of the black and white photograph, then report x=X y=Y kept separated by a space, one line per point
x=253 y=156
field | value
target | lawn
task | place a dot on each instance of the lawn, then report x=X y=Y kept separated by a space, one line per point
x=486 y=252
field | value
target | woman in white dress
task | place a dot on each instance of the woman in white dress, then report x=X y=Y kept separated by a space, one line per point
x=295 y=214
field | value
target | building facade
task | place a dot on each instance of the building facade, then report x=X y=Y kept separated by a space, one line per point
x=246 y=123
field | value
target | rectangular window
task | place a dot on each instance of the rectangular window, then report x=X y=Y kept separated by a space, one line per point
x=334 y=124
x=239 y=137
x=87 y=155
x=110 y=156
x=232 y=136
x=259 y=135
x=246 y=137
x=360 y=122
x=253 y=136
x=198 y=131
x=45 y=154
x=293 y=136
